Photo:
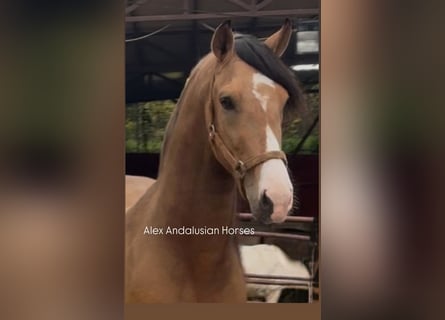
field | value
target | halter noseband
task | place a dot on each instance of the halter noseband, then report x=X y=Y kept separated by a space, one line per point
x=234 y=165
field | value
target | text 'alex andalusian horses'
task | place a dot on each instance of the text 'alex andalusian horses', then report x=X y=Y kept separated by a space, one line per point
x=224 y=134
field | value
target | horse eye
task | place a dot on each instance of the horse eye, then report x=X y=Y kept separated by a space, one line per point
x=227 y=103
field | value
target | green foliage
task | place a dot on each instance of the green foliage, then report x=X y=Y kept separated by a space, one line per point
x=293 y=133
x=291 y=136
x=145 y=127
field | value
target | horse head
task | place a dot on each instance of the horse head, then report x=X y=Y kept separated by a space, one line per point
x=252 y=93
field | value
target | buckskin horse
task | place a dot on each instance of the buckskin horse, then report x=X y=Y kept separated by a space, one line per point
x=224 y=134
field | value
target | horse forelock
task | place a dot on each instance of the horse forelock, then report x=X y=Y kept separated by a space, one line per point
x=259 y=56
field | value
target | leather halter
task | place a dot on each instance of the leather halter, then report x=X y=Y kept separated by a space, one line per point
x=236 y=166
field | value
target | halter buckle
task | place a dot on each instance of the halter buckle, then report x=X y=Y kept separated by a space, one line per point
x=240 y=169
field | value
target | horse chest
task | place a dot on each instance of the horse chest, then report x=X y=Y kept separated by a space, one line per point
x=193 y=278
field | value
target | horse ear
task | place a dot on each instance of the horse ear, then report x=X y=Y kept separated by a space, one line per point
x=222 y=41
x=279 y=41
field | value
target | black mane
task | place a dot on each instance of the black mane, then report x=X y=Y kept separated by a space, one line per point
x=256 y=54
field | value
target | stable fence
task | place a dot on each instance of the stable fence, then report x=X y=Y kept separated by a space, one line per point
x=307 y=283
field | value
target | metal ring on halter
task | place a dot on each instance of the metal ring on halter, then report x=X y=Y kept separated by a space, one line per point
x=240 y=169
x=212 y=130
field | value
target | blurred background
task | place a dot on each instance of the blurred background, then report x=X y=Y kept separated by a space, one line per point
x=62 y=157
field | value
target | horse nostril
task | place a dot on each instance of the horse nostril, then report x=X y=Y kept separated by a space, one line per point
x=264 y=198
x=265 y=203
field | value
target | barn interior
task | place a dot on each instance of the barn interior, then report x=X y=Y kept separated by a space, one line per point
x=165 y=39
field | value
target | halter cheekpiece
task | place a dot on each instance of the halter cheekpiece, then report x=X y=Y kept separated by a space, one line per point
x=234 y=165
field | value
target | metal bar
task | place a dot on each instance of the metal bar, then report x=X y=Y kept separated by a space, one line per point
x=205 y=25
x=134 y=6
x=202 y=16
x=262 y=4
x=265 y=276
x=281 y=235
x=241 y=4
x=278 y=282
x=147 y=35
x=249 y=216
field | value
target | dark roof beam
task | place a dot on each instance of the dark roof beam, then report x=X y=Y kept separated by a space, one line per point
x=204 y=16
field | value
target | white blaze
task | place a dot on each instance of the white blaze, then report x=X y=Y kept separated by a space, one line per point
x=257 y=80
x=271 y=141
x=273 y=172
x=274 y=178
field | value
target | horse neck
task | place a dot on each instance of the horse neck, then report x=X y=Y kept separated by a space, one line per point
x=195 y=189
